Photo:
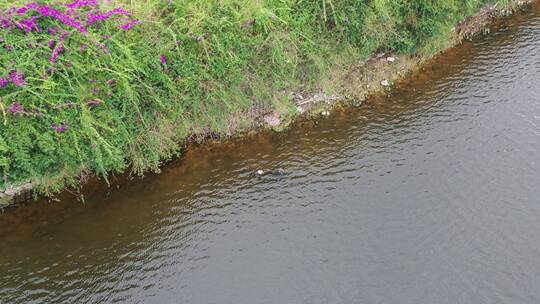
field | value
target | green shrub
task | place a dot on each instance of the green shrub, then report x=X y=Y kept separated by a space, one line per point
x=117 y=99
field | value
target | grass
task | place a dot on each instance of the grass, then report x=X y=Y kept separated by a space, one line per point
x=227 y=61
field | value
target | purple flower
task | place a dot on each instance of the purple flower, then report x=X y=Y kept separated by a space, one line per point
x=59 y=128
x=58 y=48
x=21 y=11
x=163 y=60
x=47 y=11
x=52 y=30
x=83 y=47
x=93 y=18
x=56 y=52
x=94 y=102
x=9 y=47
x=64 y=35
x=129 y=25
x=17 y=79
x=80 y=3
x=5 y=21
x=3 y=82
x=103 y=47
x=28 y=24
x=15 y=108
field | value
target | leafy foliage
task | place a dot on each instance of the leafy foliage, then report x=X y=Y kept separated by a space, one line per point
x=122 y=94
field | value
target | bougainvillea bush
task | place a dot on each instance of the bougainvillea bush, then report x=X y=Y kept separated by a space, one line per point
x=102 y=86
x=73 y=90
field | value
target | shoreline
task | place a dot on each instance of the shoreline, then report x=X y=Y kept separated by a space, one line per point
x=351 y=86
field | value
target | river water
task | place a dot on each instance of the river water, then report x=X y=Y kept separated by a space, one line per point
x=430 y=195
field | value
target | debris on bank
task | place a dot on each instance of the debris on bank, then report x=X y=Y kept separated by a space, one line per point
x=273 y=119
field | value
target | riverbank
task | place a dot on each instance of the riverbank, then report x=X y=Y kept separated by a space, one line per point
x=327 y=72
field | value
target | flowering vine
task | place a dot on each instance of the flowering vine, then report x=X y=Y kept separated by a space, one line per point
x=57 y=23
x=79 y=15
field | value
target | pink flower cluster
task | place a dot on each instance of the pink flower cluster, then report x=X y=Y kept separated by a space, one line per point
x=79 y=15
x=47 y=11
x=3 y=82
x=15 y=108
x=75 y=16
x=62 y=127
x=70 y=18
x=15 y=77
x=80 y=3
x=93 y=18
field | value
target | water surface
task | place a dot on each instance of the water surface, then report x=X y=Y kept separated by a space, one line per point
x=431 y=195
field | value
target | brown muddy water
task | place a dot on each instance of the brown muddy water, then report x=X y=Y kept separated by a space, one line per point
x=431 y=195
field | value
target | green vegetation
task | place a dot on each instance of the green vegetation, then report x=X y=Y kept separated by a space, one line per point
x=118 y=100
